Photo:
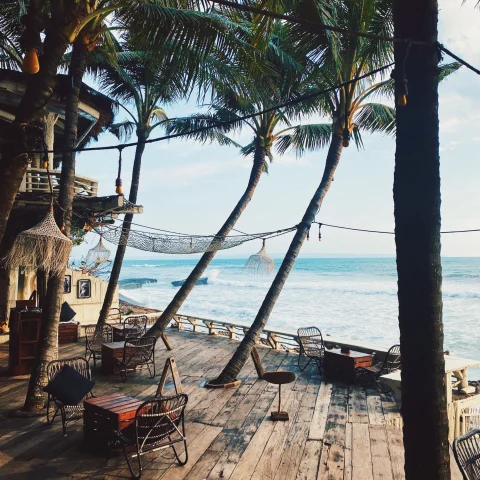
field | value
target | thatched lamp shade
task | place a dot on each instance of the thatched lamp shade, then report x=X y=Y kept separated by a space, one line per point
x=42 y=246
x=98 y=254
x=260 y=263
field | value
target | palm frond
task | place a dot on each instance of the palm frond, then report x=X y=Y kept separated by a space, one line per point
x=123 y=130
x=376 y=117
x=304 y=138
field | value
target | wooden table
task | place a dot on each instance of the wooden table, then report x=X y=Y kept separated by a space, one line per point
x=119 y=332
x=109 y=352
x=459 y=368
x=338 y=365
x=104 y=414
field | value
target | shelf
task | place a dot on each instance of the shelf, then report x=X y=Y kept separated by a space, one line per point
x=26 y=342
x=27 y=358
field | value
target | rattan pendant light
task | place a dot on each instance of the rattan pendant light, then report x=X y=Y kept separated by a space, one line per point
x=260 y=263
x=98 y=254
x=42 y=246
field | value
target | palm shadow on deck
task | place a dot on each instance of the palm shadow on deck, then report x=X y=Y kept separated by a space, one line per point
x=335 y=431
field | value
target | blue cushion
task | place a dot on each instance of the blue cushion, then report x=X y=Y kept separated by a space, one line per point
x=69 y=386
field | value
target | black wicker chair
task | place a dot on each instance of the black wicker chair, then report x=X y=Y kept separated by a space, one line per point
x=391 y=363
x=54 y=405
x=114 y=316
x=159 y=424
x=467 y=454
x=137 y=352
x=311 y=346
x=135 y=326
x=95 y=336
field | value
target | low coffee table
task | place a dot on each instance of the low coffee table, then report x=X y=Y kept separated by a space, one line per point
x=109 y=352
x=104 y=414
x=119 y=332
x=338 y=365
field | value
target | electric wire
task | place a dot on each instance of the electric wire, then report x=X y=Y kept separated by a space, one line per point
x=288 y=103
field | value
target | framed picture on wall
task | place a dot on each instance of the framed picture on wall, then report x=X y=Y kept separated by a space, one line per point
x=67 y=284
x=84 y=289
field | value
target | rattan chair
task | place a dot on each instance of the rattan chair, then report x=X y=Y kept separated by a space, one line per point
x=54 y=405
x=467 y=454
x=311 y=346
x=135 y=326
x=391 y=363
x=114 y=316
x=159 y=424
x=137 y=352
x=95 y=337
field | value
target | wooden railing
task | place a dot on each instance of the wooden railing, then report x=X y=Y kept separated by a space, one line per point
x=36 y=180
x=276 y=338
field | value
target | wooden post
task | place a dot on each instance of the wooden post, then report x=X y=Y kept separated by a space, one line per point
x=166 y=341
x=257 y=361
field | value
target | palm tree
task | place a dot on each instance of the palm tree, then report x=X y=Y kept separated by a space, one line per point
x=350 y=113
x=47 y=348
x=135 y=80
x=416 y=193
x=289 y=79
x=345 y=59
x=156 y=22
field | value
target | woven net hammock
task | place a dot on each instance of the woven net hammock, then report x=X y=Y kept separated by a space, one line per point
x=174 y=244
x=260 y=263
x=98 y=254
x=42 y=246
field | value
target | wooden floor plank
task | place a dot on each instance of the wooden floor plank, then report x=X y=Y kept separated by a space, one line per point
x=319 y=420
x=361 y=455
x=381 y=463
x=357 y=406
x=309 y=462
x=334 y=432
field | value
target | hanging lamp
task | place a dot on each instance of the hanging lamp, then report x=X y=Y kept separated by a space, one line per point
x=260 y=263
x=98 y=254
x=42 y=246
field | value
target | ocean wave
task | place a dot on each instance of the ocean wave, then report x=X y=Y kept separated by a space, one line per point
x=146 y=265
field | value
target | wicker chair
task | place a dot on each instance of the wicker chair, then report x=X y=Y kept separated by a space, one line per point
x=135 y=326
x=95 y=336
x=391 y=363
x=137 y=352
x=159 y=424
x=467 y=454
x=54 y=405
x=114 y=316
x=311 y=346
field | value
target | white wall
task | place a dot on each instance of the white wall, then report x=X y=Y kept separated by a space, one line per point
x=87 y=309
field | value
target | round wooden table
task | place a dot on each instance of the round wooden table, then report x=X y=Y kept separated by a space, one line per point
x=280 y=377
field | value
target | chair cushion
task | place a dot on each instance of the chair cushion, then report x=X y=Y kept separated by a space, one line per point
x=67 y=313
x=69 y=386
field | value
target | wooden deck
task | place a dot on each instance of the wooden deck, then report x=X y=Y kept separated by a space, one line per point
x=334 y=432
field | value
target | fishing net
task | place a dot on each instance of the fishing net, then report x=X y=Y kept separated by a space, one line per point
x=260 y=263
x=42 y=246
x=176 y=244
x=98 y=254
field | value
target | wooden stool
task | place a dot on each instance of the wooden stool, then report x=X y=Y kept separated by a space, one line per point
x=279 y=378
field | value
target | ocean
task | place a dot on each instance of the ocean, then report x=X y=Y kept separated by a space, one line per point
x=354 y=298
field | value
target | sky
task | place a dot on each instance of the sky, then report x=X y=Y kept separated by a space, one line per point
x=190 y=187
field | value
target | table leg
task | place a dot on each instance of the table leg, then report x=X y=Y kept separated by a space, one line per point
x=279 y=397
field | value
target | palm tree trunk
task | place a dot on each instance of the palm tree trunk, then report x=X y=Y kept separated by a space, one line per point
x=48 y=344
x=127 y=223
x=22 y=137
x=417 y=235
x=172 y=308
x=236 y=363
